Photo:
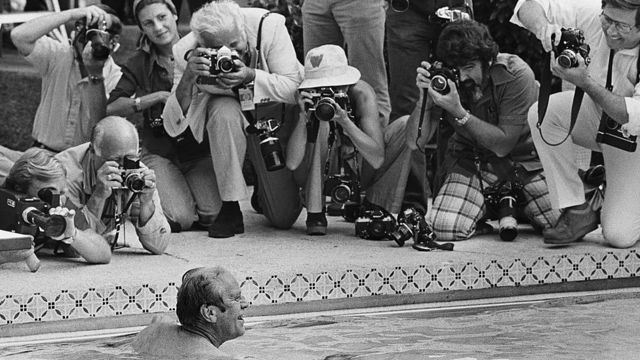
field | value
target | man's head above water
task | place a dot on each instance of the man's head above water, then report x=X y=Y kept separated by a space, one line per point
x=211 y=304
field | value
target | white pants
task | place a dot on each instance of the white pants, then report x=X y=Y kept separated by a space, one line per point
x=621 y=209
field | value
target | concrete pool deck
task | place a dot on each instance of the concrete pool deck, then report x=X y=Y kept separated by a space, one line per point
x=289 y=271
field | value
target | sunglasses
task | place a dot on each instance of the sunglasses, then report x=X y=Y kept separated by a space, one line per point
x=399 y=5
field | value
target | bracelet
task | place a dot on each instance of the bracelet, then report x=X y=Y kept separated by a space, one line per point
x=94 y=79
x=136 y=104
x=463 y=120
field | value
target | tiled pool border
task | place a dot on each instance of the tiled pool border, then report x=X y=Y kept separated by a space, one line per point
x=116 y=300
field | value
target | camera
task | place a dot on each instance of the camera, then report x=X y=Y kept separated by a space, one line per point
x=571 y=44
x=610 y=133
x=30 y=215
x=222 y=60
x=440 y=73
x=409 y=224
x=342 y=188
x=326 y=101
x=504 y=198
x=101 y=39
x=270 y=147
x=131 y=174
x=374 y=224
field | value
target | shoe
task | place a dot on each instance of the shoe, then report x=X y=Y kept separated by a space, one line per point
x=255 y=202
x=316 y=224
x=228 y=222
x=573 y=225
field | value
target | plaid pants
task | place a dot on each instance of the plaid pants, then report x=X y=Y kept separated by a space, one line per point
x=460 y=205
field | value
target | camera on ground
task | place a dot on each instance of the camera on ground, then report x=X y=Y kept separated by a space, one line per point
x=503 y=198
x=374 y=224
x=342 y=188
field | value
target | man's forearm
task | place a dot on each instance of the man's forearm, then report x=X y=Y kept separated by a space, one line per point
x=183 y=91
x=95 y=97
x=92 y=247
x=612 y=104
x=25 y=35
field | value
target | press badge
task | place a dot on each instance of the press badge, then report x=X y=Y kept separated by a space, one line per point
x=245 y=94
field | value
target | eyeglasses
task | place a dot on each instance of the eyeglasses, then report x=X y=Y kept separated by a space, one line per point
x=621 y=28
x=399 y=5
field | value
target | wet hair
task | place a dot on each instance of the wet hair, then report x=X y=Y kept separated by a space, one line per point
x=216 y=17
x=34 y=165
x=200 y=286
x=138 y=5
x=623 y=4
x=464 y=41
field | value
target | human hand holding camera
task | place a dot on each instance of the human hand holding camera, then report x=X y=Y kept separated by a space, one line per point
x=146 y=194
x=198 y=63
x=92 y=14
x=69 y=233
x=242 y=75
x=305 y=102
x=549 y=35
x=108 y=177
x=577 y=75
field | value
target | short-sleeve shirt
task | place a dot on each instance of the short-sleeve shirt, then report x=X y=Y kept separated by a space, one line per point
x=62 y=120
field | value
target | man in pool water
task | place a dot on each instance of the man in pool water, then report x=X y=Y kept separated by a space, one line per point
x=210 y=308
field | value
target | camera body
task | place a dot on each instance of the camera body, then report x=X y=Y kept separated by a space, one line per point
x=410 y=222
x=610 y=133
x=342 y=188
x=504 y=198
x=326 y=101
x=374 y=224
x=131 y=174
x=440 y=73
x=30 y=215
x=101 y=39
x=270 y=146
x=222 y=60
x=571 y=44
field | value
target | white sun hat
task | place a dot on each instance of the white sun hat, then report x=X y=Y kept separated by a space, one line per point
x=327 y=65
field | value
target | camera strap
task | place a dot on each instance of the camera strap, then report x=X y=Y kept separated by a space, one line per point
x=335 y=132
x=118 y=216
x=78 y=54
x=543 y=101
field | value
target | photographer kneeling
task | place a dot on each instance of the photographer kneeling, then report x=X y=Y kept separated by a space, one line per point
x=107 y=185
x=338 y=112
x=485 y=108
x=611 y=83
x=35 y=174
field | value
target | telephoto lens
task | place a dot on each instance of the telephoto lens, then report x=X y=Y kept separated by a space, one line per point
x=507 y=223
x=53 y=225
x=271 y=152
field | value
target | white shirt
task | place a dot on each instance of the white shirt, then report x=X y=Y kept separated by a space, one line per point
x=584 y=15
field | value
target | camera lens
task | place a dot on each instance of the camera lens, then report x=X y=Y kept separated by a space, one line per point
x=612 y=124
x=226 y=64
x=567 y=59
x=439 y=83
x=325 y=110
x=271 y=152
x=402 y=233
x=507 y=224
x=134 y=182
x=341 y=193
x=99 y=51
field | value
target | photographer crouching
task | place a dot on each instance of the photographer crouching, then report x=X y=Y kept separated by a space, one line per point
x=37 y=187
x=107 y=185
x=481 y=98
x=341 y=142
x=608 y=120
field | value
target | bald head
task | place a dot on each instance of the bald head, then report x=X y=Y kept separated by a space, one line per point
x=114 y=137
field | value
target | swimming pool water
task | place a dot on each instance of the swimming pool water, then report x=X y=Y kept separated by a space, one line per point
x=598 y=330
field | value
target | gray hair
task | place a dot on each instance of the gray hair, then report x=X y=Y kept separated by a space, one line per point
x=34 y=164
x=200 y=286
x=216 y=17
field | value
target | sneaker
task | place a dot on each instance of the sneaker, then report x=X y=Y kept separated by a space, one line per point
x=574 y=223
x=316 y=223
x=228 y=222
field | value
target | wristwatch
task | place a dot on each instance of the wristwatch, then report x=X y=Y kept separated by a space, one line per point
x=136 y=104
x=94 y=79
x=461 y=121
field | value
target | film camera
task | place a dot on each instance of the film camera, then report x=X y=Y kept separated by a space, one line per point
x=342 y=188
x=326 y=101
x=374 y=224
x=440 y=73
x=269 y=143
x=131 y=173
x=102 y=41
x=610 y=133
x=30 y=215
x=571 y=44
x=503 y=199
x=222 y=61
x=412 y=225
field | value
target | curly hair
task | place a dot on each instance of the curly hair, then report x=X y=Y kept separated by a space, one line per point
x=464 y=41
x=34 y=165
x=216 y=17
x=200 y=286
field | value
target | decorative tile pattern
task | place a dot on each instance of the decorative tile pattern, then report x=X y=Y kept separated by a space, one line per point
x=350 y=283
